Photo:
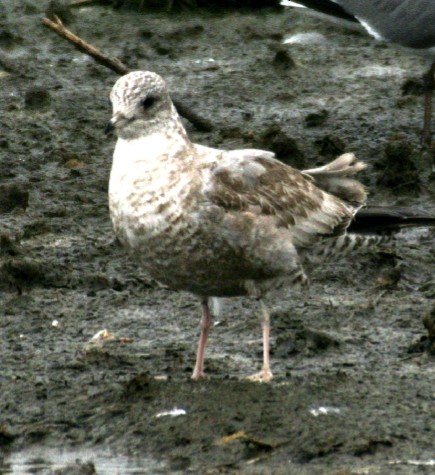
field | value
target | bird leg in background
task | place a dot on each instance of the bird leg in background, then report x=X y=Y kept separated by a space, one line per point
x=265 y=375
x=206 y=323
x=429 y=85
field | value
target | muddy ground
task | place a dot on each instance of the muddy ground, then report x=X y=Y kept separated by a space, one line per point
x=354 y=383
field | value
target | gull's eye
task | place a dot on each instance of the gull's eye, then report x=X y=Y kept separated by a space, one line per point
x=148 y=102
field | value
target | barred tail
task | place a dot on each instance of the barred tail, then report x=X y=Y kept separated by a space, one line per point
x=346 y=244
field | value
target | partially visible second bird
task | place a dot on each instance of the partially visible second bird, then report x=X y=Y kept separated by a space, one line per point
x=407 y=23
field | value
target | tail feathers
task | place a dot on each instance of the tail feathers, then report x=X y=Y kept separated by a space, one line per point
x=344 y=245
x=384 y=219
x=336 y=178
x=345 y=165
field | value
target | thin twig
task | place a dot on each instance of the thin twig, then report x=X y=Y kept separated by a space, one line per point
x=201 y=124
x=117 y=66
x=84 y=47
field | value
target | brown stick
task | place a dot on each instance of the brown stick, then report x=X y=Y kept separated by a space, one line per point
x=117 y=66
x=113 y=64
x=200 y=123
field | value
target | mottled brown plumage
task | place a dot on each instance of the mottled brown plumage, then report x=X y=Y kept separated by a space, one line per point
x=218 y=223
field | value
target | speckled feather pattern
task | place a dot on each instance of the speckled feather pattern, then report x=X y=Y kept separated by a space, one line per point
x=213 y=222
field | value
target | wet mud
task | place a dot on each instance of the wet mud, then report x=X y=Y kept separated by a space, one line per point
x=353 y=362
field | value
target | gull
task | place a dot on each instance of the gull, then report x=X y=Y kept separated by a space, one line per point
x=222 y=223
x=407 y=23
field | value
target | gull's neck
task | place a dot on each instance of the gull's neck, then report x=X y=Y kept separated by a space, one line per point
x=155 y=139
x=158 y=151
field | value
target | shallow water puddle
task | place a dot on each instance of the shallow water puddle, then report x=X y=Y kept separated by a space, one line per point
x=43 y=460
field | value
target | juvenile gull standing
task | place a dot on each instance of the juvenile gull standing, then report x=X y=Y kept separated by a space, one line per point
x=407 y=23
x=219 y=223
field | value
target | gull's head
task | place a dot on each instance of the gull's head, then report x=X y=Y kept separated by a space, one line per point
x=141 y=104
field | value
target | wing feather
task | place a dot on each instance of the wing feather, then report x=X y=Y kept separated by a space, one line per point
x=254 y=181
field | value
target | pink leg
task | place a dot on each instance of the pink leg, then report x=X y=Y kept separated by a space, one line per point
x=265 y=375
x=429 y=84
x=206 y=323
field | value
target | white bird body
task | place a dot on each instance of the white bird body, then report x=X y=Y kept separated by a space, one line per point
x=219 y=223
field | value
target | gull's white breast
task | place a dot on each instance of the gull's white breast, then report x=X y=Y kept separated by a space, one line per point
x=145 y=189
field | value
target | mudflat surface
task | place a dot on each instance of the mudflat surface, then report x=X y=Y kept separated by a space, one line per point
x=348 y=396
